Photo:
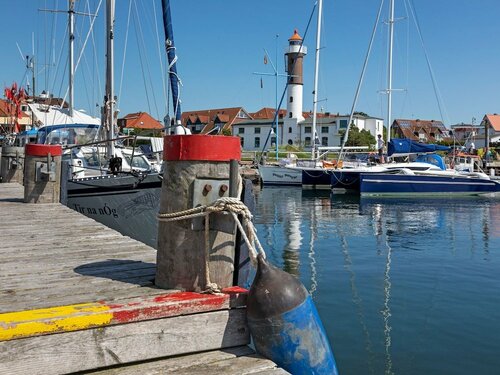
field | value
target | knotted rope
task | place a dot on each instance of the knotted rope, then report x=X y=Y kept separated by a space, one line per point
x=226 y=204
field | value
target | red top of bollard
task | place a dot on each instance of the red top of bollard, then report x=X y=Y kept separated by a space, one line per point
x=201 y=148
x=34 y=149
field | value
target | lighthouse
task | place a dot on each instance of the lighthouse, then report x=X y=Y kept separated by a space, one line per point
x=294 y=53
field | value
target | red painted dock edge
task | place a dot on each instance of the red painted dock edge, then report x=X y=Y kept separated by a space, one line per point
x=175 y=304
x=58 y=319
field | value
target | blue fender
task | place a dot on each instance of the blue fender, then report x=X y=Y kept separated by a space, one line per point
x=285 y=325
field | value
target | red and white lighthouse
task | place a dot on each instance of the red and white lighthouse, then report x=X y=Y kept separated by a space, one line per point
x=295 y=54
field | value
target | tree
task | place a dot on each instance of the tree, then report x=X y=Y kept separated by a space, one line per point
x=358 y=138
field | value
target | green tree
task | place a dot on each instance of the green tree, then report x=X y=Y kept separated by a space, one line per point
x=358 y=137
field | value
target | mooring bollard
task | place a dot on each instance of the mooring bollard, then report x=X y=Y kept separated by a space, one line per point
x=196 y=173
x=12 y=164
x=42 y=175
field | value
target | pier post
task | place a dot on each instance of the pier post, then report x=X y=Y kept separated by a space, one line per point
x=12 y=164
x=42 y=175
x=196 y=173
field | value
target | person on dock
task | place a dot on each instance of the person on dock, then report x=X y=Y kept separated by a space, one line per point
x=380 y=148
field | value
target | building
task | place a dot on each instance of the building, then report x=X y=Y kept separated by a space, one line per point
x=139 y=122
x=491 y=130
x=213 y=121
x=464 y=133
x=329 y=129
x=428 y=131
x=8 y=118
x=294 y=56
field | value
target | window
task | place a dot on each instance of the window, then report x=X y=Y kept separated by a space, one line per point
x=241 y=130
x=257 y=142
x=242 y=114
x=257 y=130
x=290 y=142
x=307 y=129
x=291 y=99
x=324 y=129
x=290 y=114
x=307 y=141
x=343 y=124
x=324 y=141
x=290 y=129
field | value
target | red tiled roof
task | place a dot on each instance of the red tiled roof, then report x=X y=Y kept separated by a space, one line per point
x=267 y=113
x=494 y=121
x=210 y=115
x=141 y=120
x=5 y=109
x=431 y=128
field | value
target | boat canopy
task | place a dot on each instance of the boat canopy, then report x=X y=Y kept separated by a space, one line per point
x=68 y=134
x=406 y=146
x=433 y=159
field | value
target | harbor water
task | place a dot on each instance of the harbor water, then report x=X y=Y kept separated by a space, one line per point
x=403 y=286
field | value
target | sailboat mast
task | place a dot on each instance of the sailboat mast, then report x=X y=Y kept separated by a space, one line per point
x=172 y=59
x=389 y=69
x=109 y=98
x=316 y=71
x=71 y=28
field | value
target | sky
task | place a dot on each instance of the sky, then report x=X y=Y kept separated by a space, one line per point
x=221 y=45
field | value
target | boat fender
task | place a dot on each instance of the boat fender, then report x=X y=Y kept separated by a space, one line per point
x=285 y=325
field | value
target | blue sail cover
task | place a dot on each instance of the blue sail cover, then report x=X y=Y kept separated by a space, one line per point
x=407 y=146
x=172 y=58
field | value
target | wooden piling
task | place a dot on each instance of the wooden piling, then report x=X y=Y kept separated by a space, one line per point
x=12 y=164
x=42 y=173
x=196 y=172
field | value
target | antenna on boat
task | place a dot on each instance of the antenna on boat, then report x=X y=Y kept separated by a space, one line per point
x=276 y=75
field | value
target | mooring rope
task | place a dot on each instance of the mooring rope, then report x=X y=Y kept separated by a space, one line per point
x=226 y=204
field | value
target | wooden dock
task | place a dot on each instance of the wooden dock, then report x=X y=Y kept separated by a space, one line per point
x=76 y=296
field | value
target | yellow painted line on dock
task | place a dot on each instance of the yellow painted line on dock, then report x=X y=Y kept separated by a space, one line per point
x=51 y=320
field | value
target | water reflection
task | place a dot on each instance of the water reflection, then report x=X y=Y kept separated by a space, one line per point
x=396 y=280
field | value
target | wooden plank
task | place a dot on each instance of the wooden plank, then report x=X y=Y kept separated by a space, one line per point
x=171 y=365
x=102 y=347
x=236 y=361
x=56 y=319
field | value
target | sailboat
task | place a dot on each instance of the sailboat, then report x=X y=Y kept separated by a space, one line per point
x=125 y=201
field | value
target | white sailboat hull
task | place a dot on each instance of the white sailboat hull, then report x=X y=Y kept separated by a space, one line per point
x=278 y=175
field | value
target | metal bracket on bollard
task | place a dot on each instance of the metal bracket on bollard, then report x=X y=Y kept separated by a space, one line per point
x=205 y=192
x=13 y=163
x=42 y=173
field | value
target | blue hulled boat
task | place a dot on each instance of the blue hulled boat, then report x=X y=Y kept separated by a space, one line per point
x=426 y=184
